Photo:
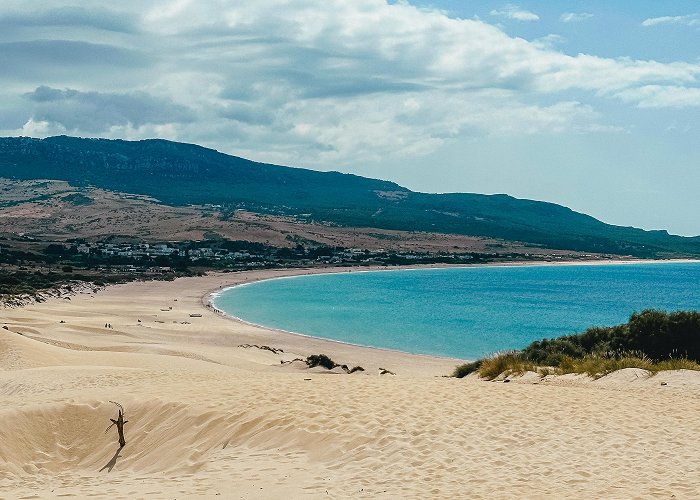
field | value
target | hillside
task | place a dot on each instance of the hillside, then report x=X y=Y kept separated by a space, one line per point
x=54 y=211
x=183 y=174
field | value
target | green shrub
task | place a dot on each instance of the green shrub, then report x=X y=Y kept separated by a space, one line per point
x=652 y=340
x=462 y=371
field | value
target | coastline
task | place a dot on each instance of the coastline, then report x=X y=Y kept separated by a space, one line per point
x=208 y=302
x=208 y=299
x=342 y=352
x=210 y=415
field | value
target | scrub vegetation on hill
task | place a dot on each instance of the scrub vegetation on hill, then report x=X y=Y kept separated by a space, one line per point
x=652 y=340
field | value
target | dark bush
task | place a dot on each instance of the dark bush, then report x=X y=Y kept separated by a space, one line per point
x=321 y=360
x=465 y=369
x=661 y=335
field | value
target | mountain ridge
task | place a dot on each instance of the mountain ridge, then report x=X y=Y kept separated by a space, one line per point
x=182 y=174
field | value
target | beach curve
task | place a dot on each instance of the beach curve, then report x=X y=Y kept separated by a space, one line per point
x=207 y=417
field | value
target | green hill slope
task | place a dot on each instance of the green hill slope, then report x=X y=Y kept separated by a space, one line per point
x=180 y=174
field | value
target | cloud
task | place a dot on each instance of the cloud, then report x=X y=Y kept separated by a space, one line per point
x=549 y=41
x=32 y=59
x=14 y=112
x=511 y=11
x=309 y=82
x=40 y=128
x=249 y=114
x=96 y=112
x=661 y=96
x=71 y=16
x=687 y=20
x=575 y=17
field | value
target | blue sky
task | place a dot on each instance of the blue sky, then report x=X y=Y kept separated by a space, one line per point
x=593 y=105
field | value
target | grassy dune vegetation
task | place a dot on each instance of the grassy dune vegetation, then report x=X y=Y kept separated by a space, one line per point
x=652 y=340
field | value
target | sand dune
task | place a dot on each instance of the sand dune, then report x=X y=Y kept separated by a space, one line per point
x=210 y=419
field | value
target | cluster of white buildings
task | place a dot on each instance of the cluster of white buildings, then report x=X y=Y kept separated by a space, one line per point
x=138 y=250
x=147 y=250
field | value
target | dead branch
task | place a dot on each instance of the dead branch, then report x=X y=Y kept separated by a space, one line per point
x=119 y=422
x=273 y=350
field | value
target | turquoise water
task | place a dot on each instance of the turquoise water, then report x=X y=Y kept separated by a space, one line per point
x=463 y=312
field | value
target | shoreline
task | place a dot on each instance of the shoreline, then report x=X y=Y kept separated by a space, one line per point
x=328 y=345
x=208 y=298
x=291 y=272
x=211 y=415
x=208 y=302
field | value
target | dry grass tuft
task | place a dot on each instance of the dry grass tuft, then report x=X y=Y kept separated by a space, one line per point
x=598 y=366
x=594 y=365
x=508 y=363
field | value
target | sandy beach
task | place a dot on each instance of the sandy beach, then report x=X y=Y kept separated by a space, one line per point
x=210 y=415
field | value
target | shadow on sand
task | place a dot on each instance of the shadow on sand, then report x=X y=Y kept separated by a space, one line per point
x=110 y=465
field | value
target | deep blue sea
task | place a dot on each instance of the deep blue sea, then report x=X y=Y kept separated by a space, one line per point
x=463 y=312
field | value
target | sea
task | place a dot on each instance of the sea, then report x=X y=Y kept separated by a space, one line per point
x=464 y=313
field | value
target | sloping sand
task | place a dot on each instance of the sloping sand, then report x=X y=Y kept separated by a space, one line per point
x=210 y=419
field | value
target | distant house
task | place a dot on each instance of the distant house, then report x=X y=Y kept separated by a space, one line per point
x=160 y=269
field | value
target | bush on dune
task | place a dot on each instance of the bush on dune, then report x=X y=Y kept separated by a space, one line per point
x=652 y=340
x=598 y=366
x=466 y=369
x=510 y=363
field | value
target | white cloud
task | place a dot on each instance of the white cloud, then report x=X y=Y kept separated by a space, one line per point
x=311 y=82
x=687 y=20
x=34 y=128
x=661 y=96
x=550 y=41
x=575 y=17
x=512 y=11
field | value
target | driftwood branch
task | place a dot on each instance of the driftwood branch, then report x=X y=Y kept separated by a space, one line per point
x=322 y=360
x=273 y=350
x=119 y=422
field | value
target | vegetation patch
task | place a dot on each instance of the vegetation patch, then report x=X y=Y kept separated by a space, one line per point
x=77 y=199
x=508 y=363
x=326 y=362
x=466 y=369
x=320 y=360
x=652 y=340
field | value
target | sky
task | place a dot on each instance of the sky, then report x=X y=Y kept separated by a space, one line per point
x=594 y=105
